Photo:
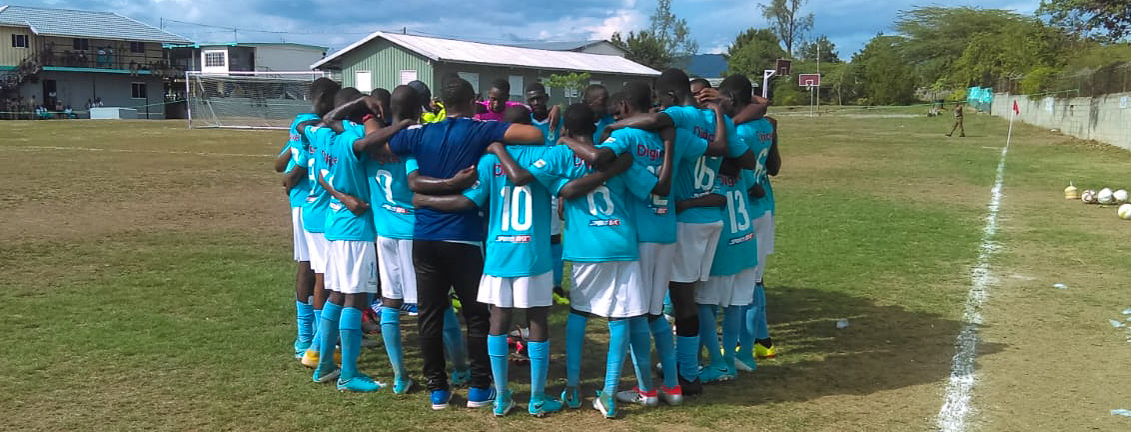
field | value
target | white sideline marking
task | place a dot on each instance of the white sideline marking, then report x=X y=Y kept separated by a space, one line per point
x=952 y=416
x=28 y=148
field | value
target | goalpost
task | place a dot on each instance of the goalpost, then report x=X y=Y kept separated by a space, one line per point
x=247 y=100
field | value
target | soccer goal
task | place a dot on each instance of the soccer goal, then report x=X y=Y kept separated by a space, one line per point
x=247 y=100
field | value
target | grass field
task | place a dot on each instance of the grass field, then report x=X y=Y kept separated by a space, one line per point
x=147 y=284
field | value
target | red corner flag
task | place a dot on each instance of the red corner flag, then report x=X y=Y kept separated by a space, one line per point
x=1015 y=110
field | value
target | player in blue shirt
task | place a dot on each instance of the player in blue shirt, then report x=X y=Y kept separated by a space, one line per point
x=292 y=161
x=731 y=284
x=447 y=246
x=699 y=219
x=600 y=241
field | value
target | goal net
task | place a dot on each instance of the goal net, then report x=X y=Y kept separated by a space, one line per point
x=256 y=100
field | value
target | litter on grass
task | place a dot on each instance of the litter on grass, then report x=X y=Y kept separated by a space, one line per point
x=842 y=323
x=1127 y=311
x=1116 y=323
x=1060 y=286
x=1121 y=412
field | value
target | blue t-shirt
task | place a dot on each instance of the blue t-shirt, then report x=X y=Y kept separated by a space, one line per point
x=518 y=229
x=699 y=179
x=758 y=135
x=318 y=201
x=550 y=136
x=299 y=149
x=601 y=123
x=441 y=150
x=345 y=172
x=390 y=198
x=655 y=216
x=599 y=226
x=738 y=247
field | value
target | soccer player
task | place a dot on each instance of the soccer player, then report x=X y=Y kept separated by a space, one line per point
x=601 y=244
x=517 y=273
x=698 y=84
x=296 y=183
x=698 y=211
x=517 y=114
x=731 y=283
x=655 y=221
x=447 y=246
x=597 y=97
x=548 y=120
x=498 y=99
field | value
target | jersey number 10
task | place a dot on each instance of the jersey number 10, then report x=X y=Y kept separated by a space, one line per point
x=518 y=208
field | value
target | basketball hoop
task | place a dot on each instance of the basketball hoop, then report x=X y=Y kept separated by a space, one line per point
x=809 y=80
x=782 y=67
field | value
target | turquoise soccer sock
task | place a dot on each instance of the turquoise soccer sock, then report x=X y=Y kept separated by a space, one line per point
x=350 y=326
x=761 y=328
x=732 y=322
x=687 y=356
x=746 y=333
x=315 y=339
x=331 y=314
x=304 y=321
x=640 y=347
x=665 y=349
x=391 y=335
x=539 y=354
x=454 y=344
x=575 y=337
x=498 y=350
x=618 y=344
x=707 y=334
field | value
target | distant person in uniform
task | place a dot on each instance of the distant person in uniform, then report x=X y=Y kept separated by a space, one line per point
x=958 y=121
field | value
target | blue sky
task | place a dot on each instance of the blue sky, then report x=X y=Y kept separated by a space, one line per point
x=337 y=23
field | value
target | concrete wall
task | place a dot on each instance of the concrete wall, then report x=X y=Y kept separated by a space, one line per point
x=286 y=58
x=75 y=88
x=1105 y=118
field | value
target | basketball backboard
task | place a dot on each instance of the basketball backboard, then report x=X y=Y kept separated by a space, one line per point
x=809 y=80
x=782 y=67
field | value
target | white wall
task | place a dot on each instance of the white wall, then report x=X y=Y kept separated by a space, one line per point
x=1104 y=118
x=285 y=58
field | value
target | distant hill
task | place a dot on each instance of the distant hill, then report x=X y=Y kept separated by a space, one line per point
x=704 y=65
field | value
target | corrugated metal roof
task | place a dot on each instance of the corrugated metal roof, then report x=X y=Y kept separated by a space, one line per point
x=557 y=46
x=84 y=24
x=458 y=51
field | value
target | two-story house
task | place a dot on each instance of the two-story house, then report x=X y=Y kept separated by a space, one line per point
x=59 y=57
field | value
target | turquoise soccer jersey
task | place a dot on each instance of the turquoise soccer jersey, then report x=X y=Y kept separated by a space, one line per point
x=318 y=201
x=390 y=198
x=550 y=135
x=655 y=216
x=758 y=135
x=738 y=246
x=345 y=172
x=518 y=227
x=601 y=123
x=598 y=225
x=300 y=154
x=699 y=179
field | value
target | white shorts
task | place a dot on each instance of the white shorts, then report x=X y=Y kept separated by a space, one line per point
x=517 y=292
x=555 y=221
x=316 y=248
x=398 y=276
x=696 y=251
x=609 y=289
x=764 y=231
x=655 y=272
x=733 y=290
x=302 y=253
x=351 y=267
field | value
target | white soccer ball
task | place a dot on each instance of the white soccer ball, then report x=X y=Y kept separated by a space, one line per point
x=1104 y=197
x=1120 y=196
x=1125 y=212
x=1088 y=196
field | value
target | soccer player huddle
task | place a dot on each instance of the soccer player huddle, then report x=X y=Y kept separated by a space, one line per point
x=657 y=195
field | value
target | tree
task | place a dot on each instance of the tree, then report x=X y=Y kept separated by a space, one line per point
x=666 y=39
x=822 y=45
x=1110 y=17
x=886 y=79
x=572 y=83
x=785 y=21
x=645 y=48
x=753 y=51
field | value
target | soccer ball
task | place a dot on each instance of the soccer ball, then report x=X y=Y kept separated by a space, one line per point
x=1088 y=196
x=1105 y=197
x=1120 y=196
x=1125 y=212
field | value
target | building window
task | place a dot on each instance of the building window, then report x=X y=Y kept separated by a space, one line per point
x=81 y=44
x=137 y=47
x=363 y=81
x=214 y=59
x=516 y=86
x=407 y=76
x=19 y=41
x=137 y=90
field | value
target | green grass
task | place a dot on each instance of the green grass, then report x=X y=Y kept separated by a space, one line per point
x=151 y=290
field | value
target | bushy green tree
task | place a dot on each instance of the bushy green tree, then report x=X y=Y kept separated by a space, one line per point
x=645 y=48
x=753 y=51
x=885 y=77
x=1108 y=19
x=787 y=21
x=668 y=37
x=821 y=45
